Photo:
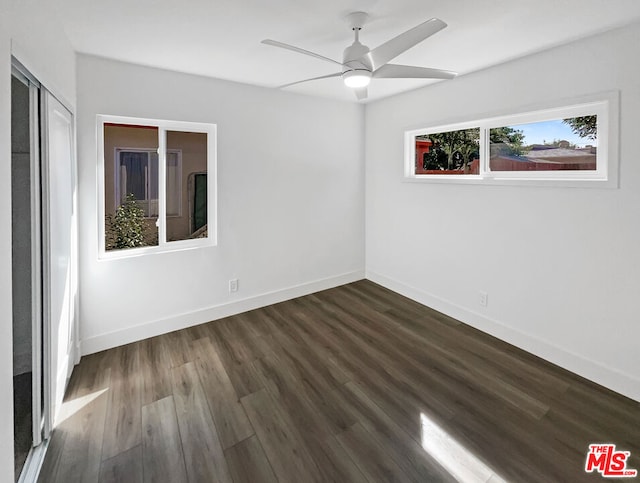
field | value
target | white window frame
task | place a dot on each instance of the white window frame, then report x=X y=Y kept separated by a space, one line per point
x=163 y=126
x=116 y=160
x=605 y=106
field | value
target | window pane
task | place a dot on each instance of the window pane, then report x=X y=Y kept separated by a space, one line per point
x=199 y=201
x=133 y=174
x=174 y=188
x=154 y=186
x=131 y=185
x=186 y=185
x=448 y=153
x=560 y=144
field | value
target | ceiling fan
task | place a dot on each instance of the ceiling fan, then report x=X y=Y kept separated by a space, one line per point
x=360 y=64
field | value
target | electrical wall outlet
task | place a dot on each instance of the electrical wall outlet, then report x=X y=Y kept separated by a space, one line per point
x=233 y=285
x=483 y=298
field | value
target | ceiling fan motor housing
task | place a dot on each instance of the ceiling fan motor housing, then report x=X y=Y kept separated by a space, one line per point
x=354 y=57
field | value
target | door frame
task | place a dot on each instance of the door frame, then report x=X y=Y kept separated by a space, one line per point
x=55 y=391
x=39 y=358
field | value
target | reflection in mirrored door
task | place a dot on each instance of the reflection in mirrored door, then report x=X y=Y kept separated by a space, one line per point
x=26 y=269
x=21 y=270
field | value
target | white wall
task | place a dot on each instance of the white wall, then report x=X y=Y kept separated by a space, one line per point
x=40 y=44
x=561 y=265
x=290 y=202
x=27 y=30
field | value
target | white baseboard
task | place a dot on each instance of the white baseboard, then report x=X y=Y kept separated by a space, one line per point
x=609 y=377
x=182 y=321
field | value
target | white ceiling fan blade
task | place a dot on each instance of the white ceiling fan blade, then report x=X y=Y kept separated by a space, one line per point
x=282 y=45
x=337 y=74
x=394 y=71
x=397 y=45
x=361 y=93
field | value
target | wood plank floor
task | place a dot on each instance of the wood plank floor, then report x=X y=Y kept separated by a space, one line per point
x=352 y=384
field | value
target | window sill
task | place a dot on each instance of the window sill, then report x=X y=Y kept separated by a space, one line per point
x=514 y=180
x=170 y=247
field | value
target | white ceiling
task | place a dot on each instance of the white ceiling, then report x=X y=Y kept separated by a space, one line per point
x=221 y=38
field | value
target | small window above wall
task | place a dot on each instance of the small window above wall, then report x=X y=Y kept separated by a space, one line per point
x=157 y=185
x=448 y=152
x=567 y=146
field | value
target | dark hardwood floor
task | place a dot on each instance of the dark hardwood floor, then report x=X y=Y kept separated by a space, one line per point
x=352 y=384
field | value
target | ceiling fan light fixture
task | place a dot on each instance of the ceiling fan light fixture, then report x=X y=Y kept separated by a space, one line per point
x=357 y=78
x=360 y=63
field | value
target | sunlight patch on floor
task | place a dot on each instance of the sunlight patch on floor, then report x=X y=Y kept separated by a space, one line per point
x=69 y=408
x=463 y=465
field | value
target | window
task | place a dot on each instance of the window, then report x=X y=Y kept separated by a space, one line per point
x=449 y=152
x=556 y=145
x=569 y=144
x=157 y=185
x=137 y=174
